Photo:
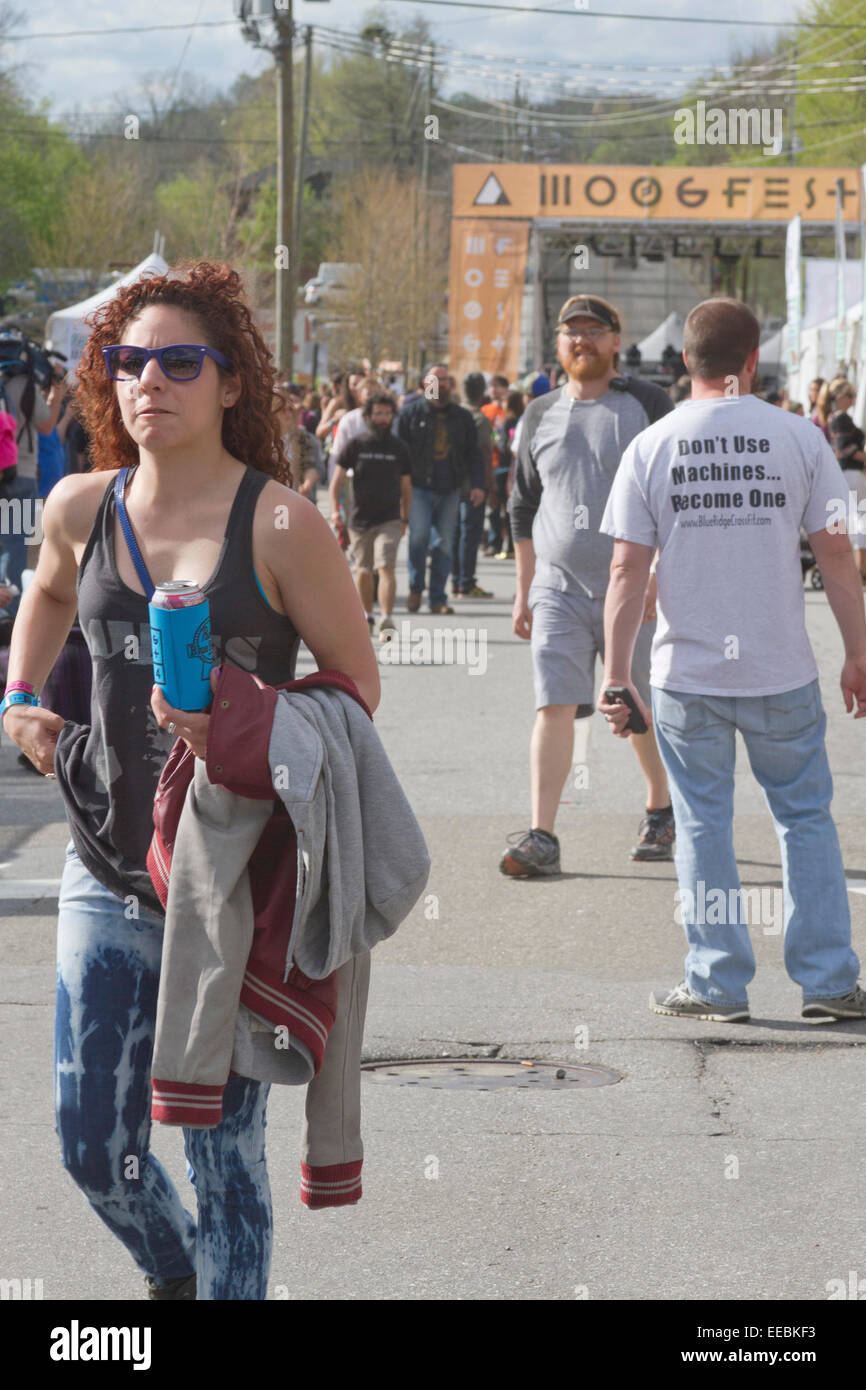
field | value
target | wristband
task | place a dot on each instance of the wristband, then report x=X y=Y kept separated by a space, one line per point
x=18 y=697
x=20 y=685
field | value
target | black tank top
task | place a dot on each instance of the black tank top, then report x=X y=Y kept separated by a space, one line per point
x=108 y=771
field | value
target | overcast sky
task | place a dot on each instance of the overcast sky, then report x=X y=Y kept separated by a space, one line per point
x=85 y=73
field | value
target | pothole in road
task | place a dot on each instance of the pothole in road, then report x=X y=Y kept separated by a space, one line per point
x=470 y=1073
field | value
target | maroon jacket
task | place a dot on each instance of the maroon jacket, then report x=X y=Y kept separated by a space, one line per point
x=237 y=759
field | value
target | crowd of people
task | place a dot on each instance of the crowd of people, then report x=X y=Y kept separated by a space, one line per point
x=654 y=530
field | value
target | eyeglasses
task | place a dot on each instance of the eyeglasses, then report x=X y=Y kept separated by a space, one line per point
x=592 y=333
x=179 y=362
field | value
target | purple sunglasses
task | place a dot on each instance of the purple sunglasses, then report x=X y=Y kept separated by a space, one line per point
x=179 y=362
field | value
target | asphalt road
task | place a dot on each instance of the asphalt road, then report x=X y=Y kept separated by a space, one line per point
x=727 y=1162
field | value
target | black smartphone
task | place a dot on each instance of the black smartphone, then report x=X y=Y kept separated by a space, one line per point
x=636 y=724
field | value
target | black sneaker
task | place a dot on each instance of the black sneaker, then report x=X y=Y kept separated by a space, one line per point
x=182 y=1289
x=534 y=853
x=656 y=837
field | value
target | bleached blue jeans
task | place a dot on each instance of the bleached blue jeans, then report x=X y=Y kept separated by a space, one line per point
x=107 y=983
x=784 y=737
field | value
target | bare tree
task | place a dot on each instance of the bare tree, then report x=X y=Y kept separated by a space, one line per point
x=395 y=294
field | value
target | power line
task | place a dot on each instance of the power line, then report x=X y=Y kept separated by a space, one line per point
x=98 y=33
x=641 y=18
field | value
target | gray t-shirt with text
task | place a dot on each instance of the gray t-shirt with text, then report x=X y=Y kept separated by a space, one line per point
x=723 y=487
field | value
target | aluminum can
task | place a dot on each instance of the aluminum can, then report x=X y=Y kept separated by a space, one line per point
x=180 y=644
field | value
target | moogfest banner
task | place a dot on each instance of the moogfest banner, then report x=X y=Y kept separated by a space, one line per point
x=488 y=266
x=676 y=193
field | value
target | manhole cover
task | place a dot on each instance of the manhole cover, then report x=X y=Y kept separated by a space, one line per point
x=456 y=1073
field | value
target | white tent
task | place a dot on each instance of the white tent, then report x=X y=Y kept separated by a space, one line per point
x=818 y=347
x=772 y=351
x=66 y=330
x=818 y=357
x=819 y=300
x=670 y=331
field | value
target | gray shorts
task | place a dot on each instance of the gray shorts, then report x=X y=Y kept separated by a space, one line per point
x=567 y=635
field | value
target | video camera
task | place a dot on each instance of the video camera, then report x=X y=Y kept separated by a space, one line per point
x=21 y=356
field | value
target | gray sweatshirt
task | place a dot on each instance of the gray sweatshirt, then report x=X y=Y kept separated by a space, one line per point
x=362 y=865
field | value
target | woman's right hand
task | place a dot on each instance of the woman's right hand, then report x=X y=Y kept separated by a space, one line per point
x=35 y=731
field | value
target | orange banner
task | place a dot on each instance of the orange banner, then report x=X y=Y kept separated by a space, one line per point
x=488 y=265
x=670 y=193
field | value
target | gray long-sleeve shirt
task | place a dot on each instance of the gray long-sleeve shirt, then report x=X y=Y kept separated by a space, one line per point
x=568 y=456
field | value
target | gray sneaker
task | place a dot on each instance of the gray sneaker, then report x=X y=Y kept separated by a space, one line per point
x=680 y=1003
x=851 y=1005
x=387 y=628
x=536 y=853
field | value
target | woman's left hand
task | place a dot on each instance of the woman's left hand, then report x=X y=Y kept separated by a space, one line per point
x=191 y=726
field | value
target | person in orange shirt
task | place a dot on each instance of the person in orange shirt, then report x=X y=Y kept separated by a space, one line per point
x=495 y=413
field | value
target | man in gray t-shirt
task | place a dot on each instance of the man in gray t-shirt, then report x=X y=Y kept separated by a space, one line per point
x=570 y=447
x=722 y=490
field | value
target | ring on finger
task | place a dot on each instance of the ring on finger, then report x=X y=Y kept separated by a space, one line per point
x=172 y=727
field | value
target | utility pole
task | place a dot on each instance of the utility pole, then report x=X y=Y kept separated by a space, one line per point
x=284 y=259
x=537 y=302
x=302 y=146
x=425 y=162
x=424 y=209
x=274 y=17
x=792 y=110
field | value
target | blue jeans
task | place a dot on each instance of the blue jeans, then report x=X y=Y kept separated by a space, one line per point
x=499 y=526
x=15 y=533
x=107 y=981
x=468 y=531
x=784 y=737
x=431 y=514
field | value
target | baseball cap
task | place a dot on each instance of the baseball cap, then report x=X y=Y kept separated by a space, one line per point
x=540 y=385
x=591 y=307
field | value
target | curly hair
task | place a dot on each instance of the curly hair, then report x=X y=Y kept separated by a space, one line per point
x=378 y=397
x=213 y=294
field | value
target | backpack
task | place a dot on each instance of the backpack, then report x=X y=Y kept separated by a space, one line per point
x=8 y=446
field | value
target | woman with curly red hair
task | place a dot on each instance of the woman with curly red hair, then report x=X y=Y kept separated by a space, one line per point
x=176 y=385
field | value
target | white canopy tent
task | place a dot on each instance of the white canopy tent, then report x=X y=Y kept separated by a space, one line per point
x=818 y=349
x=66 y=330
x=669 y=331
x=771 y=351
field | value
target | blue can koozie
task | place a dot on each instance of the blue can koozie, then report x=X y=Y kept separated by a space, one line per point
x=180 y=644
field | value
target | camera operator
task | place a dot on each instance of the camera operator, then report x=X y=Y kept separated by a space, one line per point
x=35 y=413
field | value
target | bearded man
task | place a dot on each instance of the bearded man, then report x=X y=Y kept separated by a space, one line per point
x=570 y=447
